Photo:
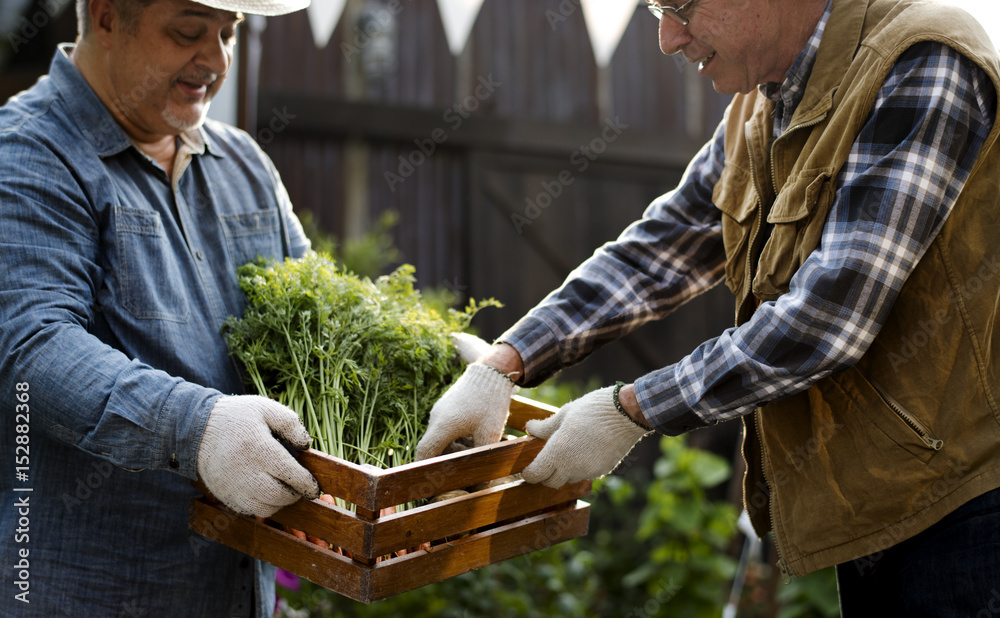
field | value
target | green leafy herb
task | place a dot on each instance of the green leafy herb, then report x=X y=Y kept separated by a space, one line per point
x=361 y=361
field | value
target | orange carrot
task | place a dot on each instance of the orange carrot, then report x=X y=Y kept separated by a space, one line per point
x=317 y=541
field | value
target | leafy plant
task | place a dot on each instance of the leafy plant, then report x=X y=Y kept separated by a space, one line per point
x=361 y=361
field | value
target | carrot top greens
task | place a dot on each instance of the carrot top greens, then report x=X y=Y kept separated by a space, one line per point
x=361 y=361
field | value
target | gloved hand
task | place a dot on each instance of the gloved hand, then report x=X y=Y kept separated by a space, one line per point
x=241 y=461
x=476 y=404
x=587 y=438
x=469 y=347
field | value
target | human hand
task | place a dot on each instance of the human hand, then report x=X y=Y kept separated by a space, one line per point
x=470 y=348
x=586 y=439
x=476 y=404
x=241 y=461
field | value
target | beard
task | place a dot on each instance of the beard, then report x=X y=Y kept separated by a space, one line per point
x=192 y=115
x=188 y=120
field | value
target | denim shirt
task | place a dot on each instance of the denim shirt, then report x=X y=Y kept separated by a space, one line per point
x=114 y=286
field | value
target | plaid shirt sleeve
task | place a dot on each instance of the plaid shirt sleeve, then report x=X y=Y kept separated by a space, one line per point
x=902 y=178
x=669 y=256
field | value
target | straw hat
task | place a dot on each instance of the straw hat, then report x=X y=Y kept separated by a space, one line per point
x=257 y=7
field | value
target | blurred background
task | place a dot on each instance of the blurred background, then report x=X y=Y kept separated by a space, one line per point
x=494 y=145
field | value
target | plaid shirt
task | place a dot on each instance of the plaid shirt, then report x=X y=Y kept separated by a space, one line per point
x=902 y=178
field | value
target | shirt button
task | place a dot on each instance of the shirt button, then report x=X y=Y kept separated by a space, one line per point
x=199 y=255
x=173 y=463
x=244 y=564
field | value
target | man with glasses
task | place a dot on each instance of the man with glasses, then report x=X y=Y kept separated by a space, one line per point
x=678 y=14
x=849 y=200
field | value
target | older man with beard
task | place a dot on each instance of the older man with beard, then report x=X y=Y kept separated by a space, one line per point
x=125 y=214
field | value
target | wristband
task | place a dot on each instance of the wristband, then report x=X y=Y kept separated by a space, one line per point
x=618 y=405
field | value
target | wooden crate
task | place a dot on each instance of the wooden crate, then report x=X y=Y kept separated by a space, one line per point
x=440 y=540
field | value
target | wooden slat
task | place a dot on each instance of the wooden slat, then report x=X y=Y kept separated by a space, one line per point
x=432 y=477
x=461 y=515
x=523 y=410
x=281 y=549
x=340 y=478
x=367 y=540
x=389 y=577
x=392 y=577
x=372 y=489
x=330 y=523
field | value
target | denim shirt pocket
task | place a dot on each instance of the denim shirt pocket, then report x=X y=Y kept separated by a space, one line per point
x=250 y=235
x=148 y=272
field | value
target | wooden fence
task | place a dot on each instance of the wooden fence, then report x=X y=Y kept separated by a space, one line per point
x=508 y=165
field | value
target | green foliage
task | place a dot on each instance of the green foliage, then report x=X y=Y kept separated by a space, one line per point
x=361 y=361
x=556 y=393
x=368 y=255
x=812 y=596
x=689 y=534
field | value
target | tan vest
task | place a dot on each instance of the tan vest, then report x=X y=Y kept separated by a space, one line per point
x=876 y=453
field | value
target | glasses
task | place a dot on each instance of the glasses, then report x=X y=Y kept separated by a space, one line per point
x=658 y=11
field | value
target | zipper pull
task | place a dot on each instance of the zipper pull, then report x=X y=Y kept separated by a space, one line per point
x=786 y=573
x=932 y=442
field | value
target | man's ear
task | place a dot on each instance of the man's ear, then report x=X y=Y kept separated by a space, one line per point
x=104 y=19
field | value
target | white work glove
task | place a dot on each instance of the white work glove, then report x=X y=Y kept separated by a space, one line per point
x=469 y=347
x=241 y=461
x=587 y=438
x=476 y=405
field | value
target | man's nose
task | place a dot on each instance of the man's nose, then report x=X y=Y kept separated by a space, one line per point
x=673 y=36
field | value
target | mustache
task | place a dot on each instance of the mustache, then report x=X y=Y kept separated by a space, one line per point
x=207 y=78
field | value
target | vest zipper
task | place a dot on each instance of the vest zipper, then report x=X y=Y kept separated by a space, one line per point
x=782 y=565
x=804 y=125
x=907 y=418
x=751 y=251
x=748 y=272
x=786 y=572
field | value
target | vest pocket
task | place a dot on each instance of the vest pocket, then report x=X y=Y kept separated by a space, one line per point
x=887 y=415
x=911 y=421
x=735 y=197
x=797 y=218
x=148 y=275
